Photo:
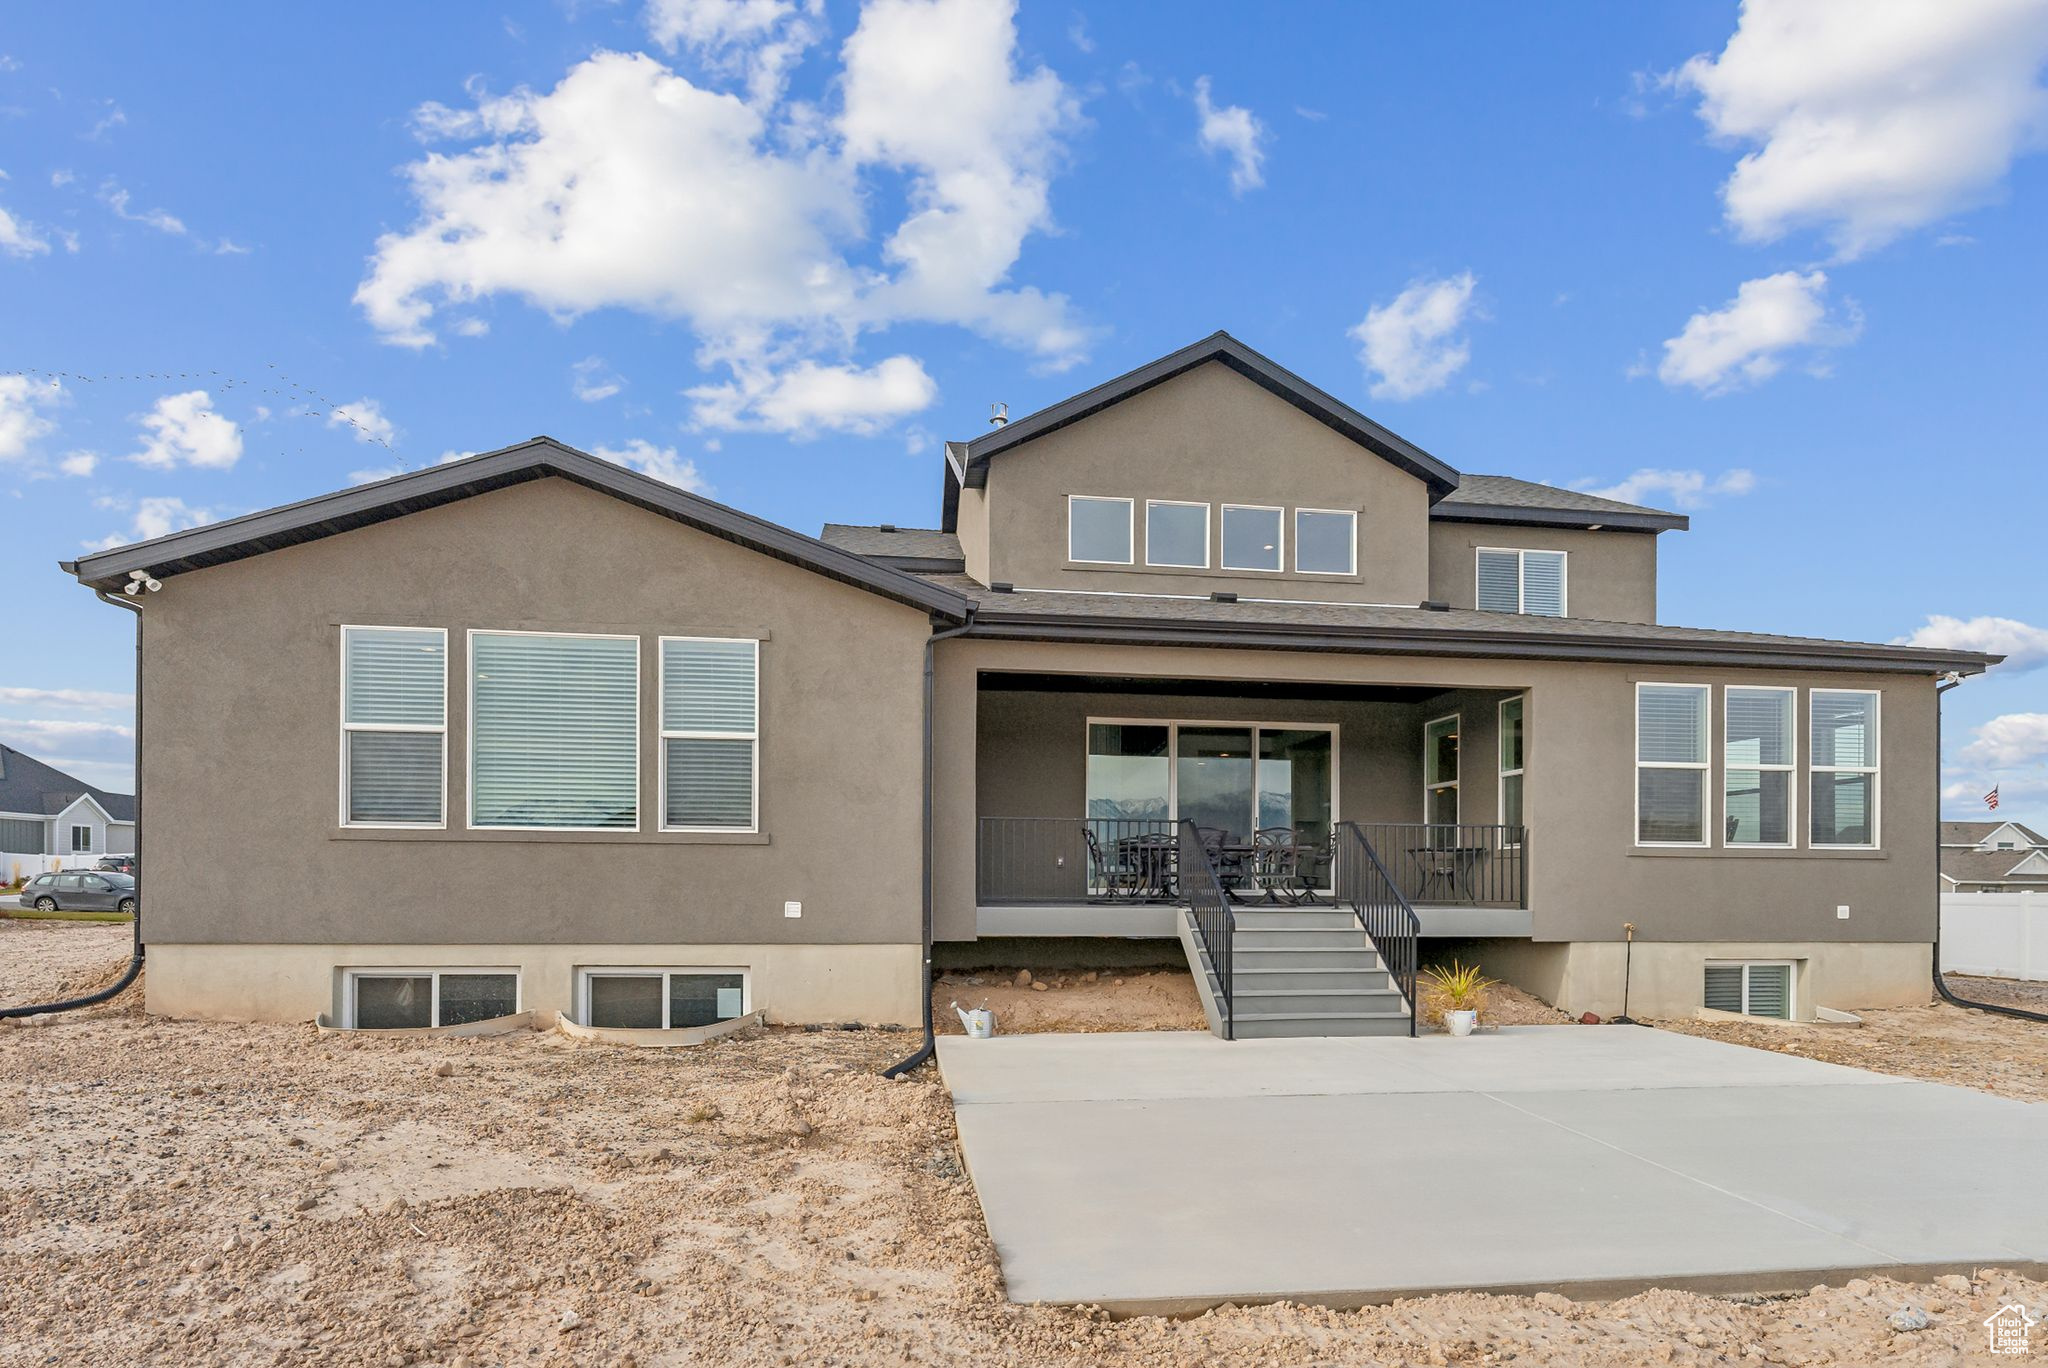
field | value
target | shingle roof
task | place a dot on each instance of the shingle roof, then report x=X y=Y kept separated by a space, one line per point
x=904 y=548
x=29 y=785
x=1420 y=631
x=1988 y=866
x=1969 y=833
x=1503 y=498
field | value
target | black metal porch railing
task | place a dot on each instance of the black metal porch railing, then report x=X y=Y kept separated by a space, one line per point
x=1074 y=860
x=1438 y=864
x=1365 y=885
x=1201 y=890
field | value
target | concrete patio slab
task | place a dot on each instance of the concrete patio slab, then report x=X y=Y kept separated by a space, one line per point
x=1587 y=1160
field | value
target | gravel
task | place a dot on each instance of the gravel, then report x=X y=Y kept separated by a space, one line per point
x=766 y=1199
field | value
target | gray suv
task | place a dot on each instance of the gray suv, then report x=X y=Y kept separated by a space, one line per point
x=89 y=891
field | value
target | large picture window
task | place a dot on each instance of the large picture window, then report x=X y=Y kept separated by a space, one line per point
x=1177 y=534
x=1326 y=541
x=1099 y=530
x=1758 y=746
x=1845 y=749
x=710 y=738
x=394 y=721
x=1236 y=778
x=1671 y=764
x=1251 y=538
x=1529 y=582
x=554 y=731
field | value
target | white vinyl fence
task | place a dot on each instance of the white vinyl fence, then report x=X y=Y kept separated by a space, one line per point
x=28 y=866
x=2002 y=935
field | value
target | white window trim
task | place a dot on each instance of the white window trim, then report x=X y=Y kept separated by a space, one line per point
x=432 y=972
x=1457 y=721
x=1130 y=528
x=1814 y=771
x=469 y=757
x=1500 y=736
x=1790 y=769
x=1791 y=968
x=663 y=735
x=660 y=971
x=1351 y=543
x=348 y=726
x=1521 y=554
x=1705 y=768
x=76 y=848
x=1279 y=565
x=1208 y=532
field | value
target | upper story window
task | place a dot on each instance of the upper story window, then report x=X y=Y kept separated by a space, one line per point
x=1177 y=534
x=1251 y=537
x=1513 y=581
x=81 y=839
x=1671 y=764
x=554 y=731
x=1326 y=541
x=1844 y=744
x=394 y=726
x=1757 y=786
x=710 y=734
x=1099 y=530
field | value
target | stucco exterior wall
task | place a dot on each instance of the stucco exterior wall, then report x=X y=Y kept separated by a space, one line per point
x=1206 y=436
x=242 y=684
x=1586 y=875
x=1610 y=576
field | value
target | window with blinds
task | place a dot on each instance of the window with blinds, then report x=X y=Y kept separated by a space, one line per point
x=394 y=721
x=1671 y=764
x=1844 y=743
x=1758 y=748
x=1761 y=990
x=554 y=731
x=1531 y=582
x=710 y=734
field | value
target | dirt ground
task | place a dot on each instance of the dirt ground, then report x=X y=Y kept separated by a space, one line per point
x=191 y=1193
x=1071 y=1000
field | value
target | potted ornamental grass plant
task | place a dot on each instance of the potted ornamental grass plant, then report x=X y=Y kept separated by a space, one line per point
x=1454 y=997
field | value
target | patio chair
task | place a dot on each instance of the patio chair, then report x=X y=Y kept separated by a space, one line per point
x=1113 y=874
x=1276 y=863
x=1230 y=871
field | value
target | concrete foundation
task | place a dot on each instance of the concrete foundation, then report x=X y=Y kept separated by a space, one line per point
x=1666 y=978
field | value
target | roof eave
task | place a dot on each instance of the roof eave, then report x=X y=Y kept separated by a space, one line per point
x=1560 y=517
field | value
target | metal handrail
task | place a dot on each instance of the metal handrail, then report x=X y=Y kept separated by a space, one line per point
x=1460 y=864
x=1363 y=884
x=1201 y=888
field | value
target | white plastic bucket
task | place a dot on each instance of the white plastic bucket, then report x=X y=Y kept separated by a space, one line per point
x=1461 y=1023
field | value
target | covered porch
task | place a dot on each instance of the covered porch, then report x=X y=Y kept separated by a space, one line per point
x=1083 y=783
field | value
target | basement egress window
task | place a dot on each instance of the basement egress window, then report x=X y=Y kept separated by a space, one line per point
x=413 y=999
x=1759 y=990
x=662 y=999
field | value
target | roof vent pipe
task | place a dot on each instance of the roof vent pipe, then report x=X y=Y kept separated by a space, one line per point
x=998 y=415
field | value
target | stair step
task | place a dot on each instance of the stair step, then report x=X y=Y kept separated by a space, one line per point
x=1257 y=957
x=1333 y=938
x=1248 y=980
x=1322 y=1024
x=1290 y=1002
x=1294 y=918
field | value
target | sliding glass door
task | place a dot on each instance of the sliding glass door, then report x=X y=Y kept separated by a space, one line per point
x=1236 y=778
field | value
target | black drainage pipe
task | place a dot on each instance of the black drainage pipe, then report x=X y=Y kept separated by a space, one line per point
x=134 y=970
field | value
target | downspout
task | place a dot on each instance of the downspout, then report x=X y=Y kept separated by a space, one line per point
x=930 y=1045
x=1941 y=984
x=134 y=970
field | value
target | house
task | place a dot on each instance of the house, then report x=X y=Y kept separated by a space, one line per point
x=1201 y=653
x=1993 y=857
x=49 y=818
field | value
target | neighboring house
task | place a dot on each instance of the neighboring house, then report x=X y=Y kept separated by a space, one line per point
x=1993 y=857
x=532 y=730
x=48 y=818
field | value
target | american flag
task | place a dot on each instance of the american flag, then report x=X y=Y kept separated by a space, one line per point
x=1991 y=798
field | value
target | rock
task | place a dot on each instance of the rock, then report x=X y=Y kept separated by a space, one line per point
x=1038 y=988
x=1857 y=1287
x=444 y=1069
x=179 y=1180
x=330 y=1164
x=1589 y=1019
x=570 y=1321
x=1116 y=983
x=1954 y=1282
x=294 y=1141
x=231 y=1244
x=1551 y=1301
x=1090 y=977
x=801 y=1129
x=1908 y=1318
x=306 y=1203
x=395 y=1207
x=1023 y=978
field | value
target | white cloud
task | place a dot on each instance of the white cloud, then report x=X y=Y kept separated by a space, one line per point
x=1235 y=132
x=25 y=405
x=1744 y=342
x=2024 y=647
x=183 y=429
x=1870 y=118
x=1679 y=488
x=114 y=118
x=807 y=398
x=629 y=186
x=758 y=40
x=366 y=417
x=20 y=238
x=85 y=700
x=80 y=463
x=1410 y=344
x=119 y=200
x=663 y=463
x=155 y=517
x=2009 y=742
x=592 y=381
x=41 y=736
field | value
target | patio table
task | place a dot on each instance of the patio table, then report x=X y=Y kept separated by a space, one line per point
x=1449 y=867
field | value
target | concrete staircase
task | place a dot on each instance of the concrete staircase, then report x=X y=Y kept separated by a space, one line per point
x=1302 y=971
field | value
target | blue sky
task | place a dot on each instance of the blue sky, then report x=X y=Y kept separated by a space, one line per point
x=1778 y=266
